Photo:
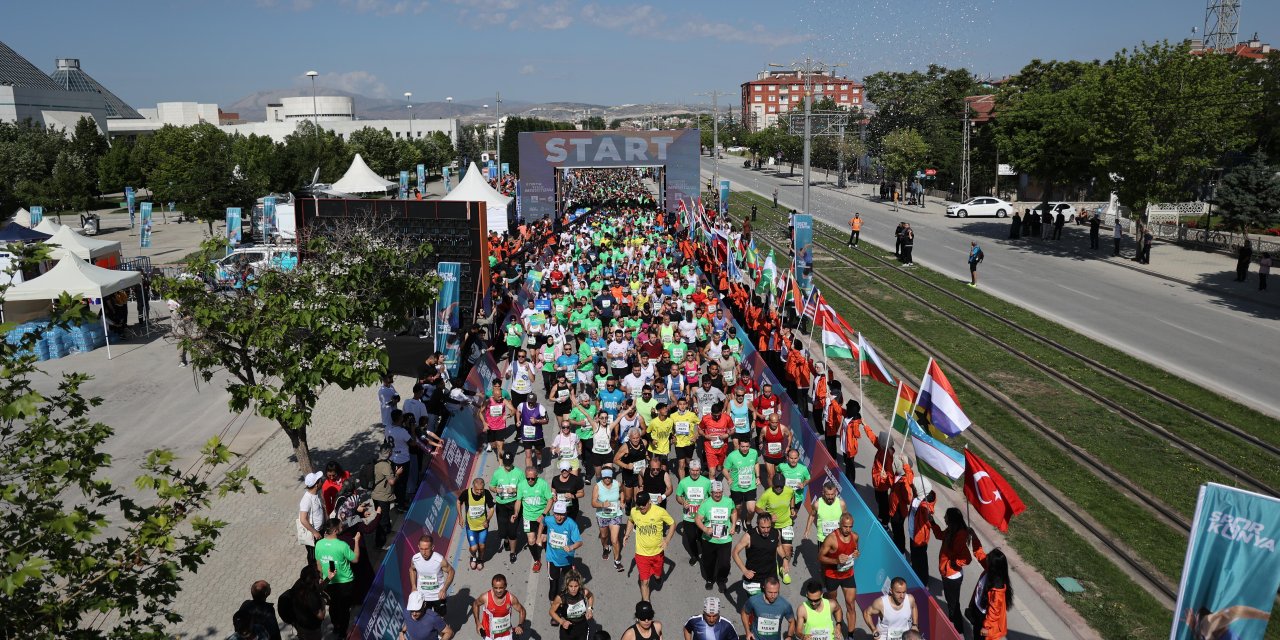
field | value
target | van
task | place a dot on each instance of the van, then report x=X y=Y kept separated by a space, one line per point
x=255 y=258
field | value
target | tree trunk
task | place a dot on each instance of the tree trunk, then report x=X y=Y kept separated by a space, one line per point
x=301 y=451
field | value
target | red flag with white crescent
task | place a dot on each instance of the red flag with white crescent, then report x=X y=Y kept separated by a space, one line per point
x=989 y=493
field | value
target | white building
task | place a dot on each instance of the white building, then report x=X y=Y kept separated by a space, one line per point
x=27 y=93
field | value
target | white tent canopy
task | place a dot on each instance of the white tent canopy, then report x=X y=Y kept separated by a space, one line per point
x=76 y=277
x=71 y=243
x=47 y=225
x=22 y=217
x=359 y=178
x=474 y=188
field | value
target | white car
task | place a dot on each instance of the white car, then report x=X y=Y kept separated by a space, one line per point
x=980 y=206
x=1068 y=212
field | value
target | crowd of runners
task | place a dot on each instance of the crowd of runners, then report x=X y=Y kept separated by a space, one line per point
x=607 y=187
x=622 y=372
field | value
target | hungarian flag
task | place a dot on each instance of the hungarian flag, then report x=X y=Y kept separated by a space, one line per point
x=835 y=343
x=869 y=363
x=941 y=406
x=989 y=493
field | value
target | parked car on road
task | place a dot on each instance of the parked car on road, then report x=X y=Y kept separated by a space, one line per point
x=1068 y=212
x=255 y=259
x=980 y=206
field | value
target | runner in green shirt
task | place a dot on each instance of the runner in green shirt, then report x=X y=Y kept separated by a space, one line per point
x=825 y=512
x=505 y=483
x=716 y=521
x=741 y=467
x=534 y=503
x=797 y=476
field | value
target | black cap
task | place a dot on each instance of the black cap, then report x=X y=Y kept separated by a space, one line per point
x=778 y=481
x=508 y=458
x=644 y=610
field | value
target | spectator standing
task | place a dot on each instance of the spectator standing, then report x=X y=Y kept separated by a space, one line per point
x=261 y=612
x=1117 y=234
x=1244 y=255
x=1094 y=223
x=855 y=229
x=334 y=561
x=1264 y=268
x=311 y=514
x=993 y=597
x=1058 y=221
x=897 y=239
x=908 y=244
x=1144 y=249
x=975 y=257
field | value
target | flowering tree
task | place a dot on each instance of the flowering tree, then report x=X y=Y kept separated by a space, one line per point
x=279 y=336
x=82 y=558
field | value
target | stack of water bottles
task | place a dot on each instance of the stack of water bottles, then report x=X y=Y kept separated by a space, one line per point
x=57 y=342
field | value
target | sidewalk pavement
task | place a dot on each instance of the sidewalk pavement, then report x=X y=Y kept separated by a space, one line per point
x=259 y=541
x=1209 y=271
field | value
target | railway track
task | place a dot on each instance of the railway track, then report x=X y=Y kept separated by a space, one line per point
x=1242 y=477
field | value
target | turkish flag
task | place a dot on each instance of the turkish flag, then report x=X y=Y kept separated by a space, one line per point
x=989 y=493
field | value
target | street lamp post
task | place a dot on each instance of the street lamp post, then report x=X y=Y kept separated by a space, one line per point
x=315 y=114
x=409 y=104
x=715 y=143
x=497 y=134
x=808 y=67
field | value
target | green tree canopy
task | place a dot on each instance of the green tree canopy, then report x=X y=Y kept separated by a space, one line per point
x=1249 y=196
x=378 y=148
x=195 y=166
x=903 y=152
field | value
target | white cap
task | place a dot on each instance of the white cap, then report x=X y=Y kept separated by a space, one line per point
x=565 y=465
x=711 y=605
x=716 y=485
x=560 y=508
x=695 y=464
x=313 y=478
x=416 y=601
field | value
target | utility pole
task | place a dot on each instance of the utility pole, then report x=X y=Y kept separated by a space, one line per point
x=964 y=159
x=808 y=67
x=840 y=183
x=715 y=140
x=497 y=133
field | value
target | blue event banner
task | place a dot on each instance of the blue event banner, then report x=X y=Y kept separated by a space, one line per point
x=268 y=217
x=506 y=168
x=724 y=197
x=1232 y=570
x=37 y=214
x=802 y=237
x=448 y=339
x=422 y=179
x=144 y=234
x=445 y=171
x=233 y=226
x=404 y=185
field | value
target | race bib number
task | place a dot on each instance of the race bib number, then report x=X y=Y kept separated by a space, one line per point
x=716 y=443
x=683 y=428
x=695 y=494
x=820 y=634
x=773 y=448
x=828 y=527
x=619 y=363
x=507 y=490
x=752 y=588
x=891 y=635
x=576 y=611
x=638 y=466
x=746 y=476
x=719 y=515
x=528 y=526
x=495 y=410
x=749 y=397
x=529 y=431
x=568 y=453
x=845 y=566
x=429 y=584
x=562 y=395
x=740 y=423
x=475 y=511
x=571 y=375
x=768 y=625
x=788 y=533
x=793 y=483
x=601 y=448
x=499 y=625
x=558 y=540
x=655 y=498
x=521 y=385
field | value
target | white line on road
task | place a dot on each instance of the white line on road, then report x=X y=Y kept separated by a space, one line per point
x=1090 y=296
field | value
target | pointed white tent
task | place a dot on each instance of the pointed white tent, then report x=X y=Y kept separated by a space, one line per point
x=47 y=225
x=22 y=217
x=359 y=178
x=71 y=243
x=474 y=188
x=76 y=277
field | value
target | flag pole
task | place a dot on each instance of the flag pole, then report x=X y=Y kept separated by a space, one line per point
x=966 y=500
x=915 y=403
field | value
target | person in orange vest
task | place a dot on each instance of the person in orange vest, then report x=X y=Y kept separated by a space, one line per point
x=851 y=436
x=900 y=495
x=988 y=609
x=818 y=389
x=832 y=421
x=855 y=229
x=802 y=374
x=920 y=527
x=953 y=557
x=881 y=473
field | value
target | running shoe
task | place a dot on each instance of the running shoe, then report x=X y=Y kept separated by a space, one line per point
x=786 y=578
x=617 y=565
x=512 y=558
x=604 y=555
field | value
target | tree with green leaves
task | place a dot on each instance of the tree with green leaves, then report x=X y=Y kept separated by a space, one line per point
x=280 y=337
x=1249 y=196
x=195 y=166
x=71 y=186
x=261 y=163
x=310 y=148
x=378 y=148
x=931 y=102
x=903 y=152
x=116 y=169
x=83 y=559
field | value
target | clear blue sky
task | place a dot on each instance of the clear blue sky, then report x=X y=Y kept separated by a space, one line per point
x=601 y=51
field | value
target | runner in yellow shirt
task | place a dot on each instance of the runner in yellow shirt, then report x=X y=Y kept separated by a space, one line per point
x=648 y=521
x=685 y=428
x=660 y=429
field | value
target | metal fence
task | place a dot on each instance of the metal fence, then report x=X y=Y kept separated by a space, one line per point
x=1213 y=239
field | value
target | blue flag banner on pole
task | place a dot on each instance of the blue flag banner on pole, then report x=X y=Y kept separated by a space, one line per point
x=448 y=340
x=518 y=200
x=803 y=239
x=404 y=185
x=144 y=234
x=506 y=168
x=724 y=196
x=233 y=226
x=37 y=214
x=1232 y=570
x=445 y=171
x=130 y=197
x=268 y=217
x=422 y=179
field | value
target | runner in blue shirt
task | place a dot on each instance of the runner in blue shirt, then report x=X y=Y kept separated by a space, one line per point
x=611 y=398
x=766 y=615
x=709 y=625
x=561 y=538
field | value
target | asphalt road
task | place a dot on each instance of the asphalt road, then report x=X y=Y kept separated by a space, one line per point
x=1221 y=343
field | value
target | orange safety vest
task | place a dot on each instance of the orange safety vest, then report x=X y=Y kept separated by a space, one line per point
x=855 y=224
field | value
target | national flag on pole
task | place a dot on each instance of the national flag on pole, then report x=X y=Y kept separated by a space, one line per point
x=753 y=257
x=941 y=406
x=809 y=308
x=906 y=399
x=835 y=343
x=989 y=493
x=869 y=363
x=731 y=266
x=932 y=452
x=767 y=275
x=688 y=215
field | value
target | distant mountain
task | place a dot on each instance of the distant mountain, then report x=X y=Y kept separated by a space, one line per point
x=253 y=108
